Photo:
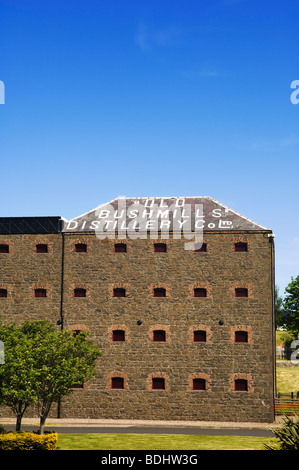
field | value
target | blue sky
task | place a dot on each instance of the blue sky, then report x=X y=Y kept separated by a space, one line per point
x=152 y=98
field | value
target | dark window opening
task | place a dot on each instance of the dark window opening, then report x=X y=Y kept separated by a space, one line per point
x=241 y=246
x=119 y=292
x=79 y=292
x=199 y=336
x=241 y=385
x=117 y=383
x=241 y=292
x=118 y=335
x=241 y=337
x=200 y=292
x=120 y=248
x=40 y=293
x=4 y=248
x=199 y=384
x=159 y=292
x=159 y=335
x=158 y=383
x=3 y=293
x=160 y=247
x=80 y=248
x=202 y=249
x=41 y=248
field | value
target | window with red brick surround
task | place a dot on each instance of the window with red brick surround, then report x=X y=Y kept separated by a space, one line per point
x=3 y=292
x=200 y=292
x=241 y=385
x=199 y=336
x=80 y=248
x=41 y=248
x=79 y=292
x=118 y=335
x=159 y=336
x=202 y=249
x=160 y=247
x=119 y=292
x=241 y=247
x=241 y=336
x=159 y=292
x=117 y=383
x=120 y=248
x=40 y=293
x=199 y=384
x=4 y=248
x=158 y=383
x=241 y=292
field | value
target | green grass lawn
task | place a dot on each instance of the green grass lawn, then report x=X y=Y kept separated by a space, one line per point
x=287 y=379
x=158 y=442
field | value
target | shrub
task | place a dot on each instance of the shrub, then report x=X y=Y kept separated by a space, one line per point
x=287 y=436
x=28 y=441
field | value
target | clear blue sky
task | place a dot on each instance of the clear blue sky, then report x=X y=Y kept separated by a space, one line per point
x=152 y=98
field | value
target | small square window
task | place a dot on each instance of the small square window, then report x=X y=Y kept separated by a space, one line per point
x=159 y=336
x=199 y=384
x=80 y=248
x=4 y=248
x=241 y=337
x=158 y=383
x=3 y=293
x=159 y=292
x=160 y=247
x=118 y=335
x=241 y=246
x=120 y=248
x=200 y=292
x=40 y=293
x=117 y=383
x=79 y=292
x=241 y=292
x=199 y=336
x=41 y=248
x=241 y=385
x=202 y=249
x=119 y=292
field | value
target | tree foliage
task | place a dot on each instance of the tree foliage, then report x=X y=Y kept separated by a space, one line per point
x=42 y=366
x=291 y=305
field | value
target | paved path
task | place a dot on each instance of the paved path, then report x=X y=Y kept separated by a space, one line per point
x=71 y=426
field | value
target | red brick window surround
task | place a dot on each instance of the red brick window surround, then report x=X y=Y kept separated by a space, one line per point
x=3 y=293
x=160 y=248
x=241 y=336
x=200 y=292
x=4 y=248
x=80 y=248
x=41 y=248
x=159 y=336
x=118 y=335
x=120 y=248
x=40 y=292
x=202 y=249
x=119 y=292
x=241 y=383
x=117 y=383
x=241 y=292
x=158 y=383
x=79 y=292
x=199 y=384
x=199 y=336
x=241 y=247
x=159 y=292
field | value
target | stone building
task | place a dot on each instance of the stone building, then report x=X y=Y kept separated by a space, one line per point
x=180 y=304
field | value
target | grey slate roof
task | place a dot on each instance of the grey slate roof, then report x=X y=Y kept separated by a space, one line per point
x=199 y=212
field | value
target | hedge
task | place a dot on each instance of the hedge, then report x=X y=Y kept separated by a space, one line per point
x=28 y=441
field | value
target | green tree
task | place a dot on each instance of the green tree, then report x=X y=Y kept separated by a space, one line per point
x=42 y=366
x=61 y=361
x=279 y=309
x=291 y=305
x=16 y=374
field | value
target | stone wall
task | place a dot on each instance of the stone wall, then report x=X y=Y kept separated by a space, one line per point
x=218 y=360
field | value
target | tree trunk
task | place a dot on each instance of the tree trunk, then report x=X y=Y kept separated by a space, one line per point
x=19 y=420
x=42 y=422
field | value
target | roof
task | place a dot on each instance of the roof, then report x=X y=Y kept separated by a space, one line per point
x=171 y=213
x=30 y=225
